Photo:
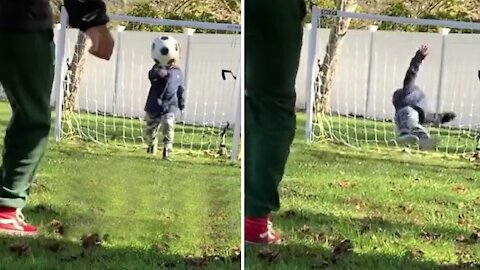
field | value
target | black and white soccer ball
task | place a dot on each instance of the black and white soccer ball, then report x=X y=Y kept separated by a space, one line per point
x=165 y=51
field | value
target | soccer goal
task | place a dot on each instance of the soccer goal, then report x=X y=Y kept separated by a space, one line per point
x=102 y=101
x=352 y=74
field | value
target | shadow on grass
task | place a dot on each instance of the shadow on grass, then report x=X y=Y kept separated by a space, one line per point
x=57 y=248
x=364 y=226
x=385 y=160
x=43 y=253
x=299 y=257
x=179 y=156
x=323 y=248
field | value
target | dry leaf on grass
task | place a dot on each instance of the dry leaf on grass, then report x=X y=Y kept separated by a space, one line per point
x=53 y=245
x=269 y=256
x=429 y=236
x=289 y=214
x=345 y=184
x=191 y=261
x=162 y=247
x=460 y=189
x=460 y=266
x=343 y=248
x=91 y=241
x=305 y=229
x=475 y=236
x=321 y=263
x=365 y=228
x=462 y=219
x=21 y=249
x=407 y=209
x=57 y=227
x=236 y=254
x=415 y=253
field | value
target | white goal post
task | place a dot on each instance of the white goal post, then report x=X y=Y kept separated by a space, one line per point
x=320 y=16
x=234 y=109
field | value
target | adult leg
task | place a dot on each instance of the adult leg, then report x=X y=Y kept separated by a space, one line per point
x=273 y=41
x=26 y=73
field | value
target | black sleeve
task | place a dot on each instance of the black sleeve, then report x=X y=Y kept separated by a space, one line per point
x=84 y=14
x=412 y=71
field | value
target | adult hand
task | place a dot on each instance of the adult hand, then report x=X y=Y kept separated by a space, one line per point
x=102 y=42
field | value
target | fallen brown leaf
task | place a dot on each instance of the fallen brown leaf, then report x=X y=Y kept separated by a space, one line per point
x=460 y=266
x=57 y=227
x=462 y=220
x=343 y=248
x=320 y=237
x=162 y=247
x=407 y=209
x=460 y=189
x=191 y=261
x=305 y=229
x=269 y=256
x=289 y=214
x=475 y=236
x=415 y=253
x=53 y=245
x=91 y=241
x=364 y=229
x=429 y=236
x=460 y=238
x=236 y=254
x=321 y=263
x=21 y=249
x=344 y=184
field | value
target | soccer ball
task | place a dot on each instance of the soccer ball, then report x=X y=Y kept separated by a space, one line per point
x=165 y=51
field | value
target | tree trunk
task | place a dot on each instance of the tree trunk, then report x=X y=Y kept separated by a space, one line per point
x=76 y=68
x=327 y=68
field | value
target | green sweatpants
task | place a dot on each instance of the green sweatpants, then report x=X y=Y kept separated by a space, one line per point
x=26 y=74
x=273 y=41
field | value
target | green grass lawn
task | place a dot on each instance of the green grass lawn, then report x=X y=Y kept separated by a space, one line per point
x=380 y=134
x=353 y=208
x=147 y=213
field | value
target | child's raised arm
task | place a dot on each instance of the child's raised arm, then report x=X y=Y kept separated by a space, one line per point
x=415 y=63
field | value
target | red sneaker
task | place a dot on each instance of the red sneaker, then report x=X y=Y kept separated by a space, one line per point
x=13 y=222
x=259 y=231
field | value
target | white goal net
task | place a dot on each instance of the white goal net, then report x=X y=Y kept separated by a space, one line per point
x=354 y=105
x=103 y=101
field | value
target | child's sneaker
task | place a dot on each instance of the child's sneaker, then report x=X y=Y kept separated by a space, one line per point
x=259 y=231
x=13 y=222
x=152 y=149
x=166 y=154
x=407 y=139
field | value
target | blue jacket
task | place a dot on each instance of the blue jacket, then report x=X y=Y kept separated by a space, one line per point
x=410 y=94
x=166 y=93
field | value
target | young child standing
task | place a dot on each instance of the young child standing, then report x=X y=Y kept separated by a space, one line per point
x=411 y=110
x=166 y=95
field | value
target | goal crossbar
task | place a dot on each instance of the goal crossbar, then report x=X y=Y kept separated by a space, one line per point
x=400 y=20
x=186 y=24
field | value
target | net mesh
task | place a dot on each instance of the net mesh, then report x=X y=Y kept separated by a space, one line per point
x=104 y=101
x=358 y=70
